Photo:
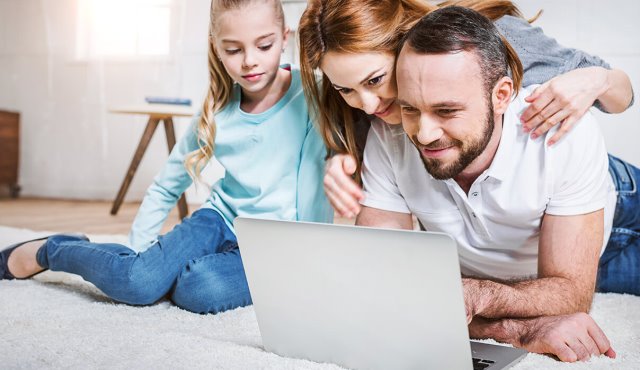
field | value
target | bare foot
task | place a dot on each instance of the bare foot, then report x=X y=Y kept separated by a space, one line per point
x=22 y=261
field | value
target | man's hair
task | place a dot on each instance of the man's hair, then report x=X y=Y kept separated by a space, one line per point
x=453 y=29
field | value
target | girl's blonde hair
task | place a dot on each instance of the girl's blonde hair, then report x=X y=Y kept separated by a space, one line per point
x=220 y=88
x=364 y=26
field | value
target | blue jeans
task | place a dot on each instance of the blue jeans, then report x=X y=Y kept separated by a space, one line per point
x=197 y=265
x=619 y=269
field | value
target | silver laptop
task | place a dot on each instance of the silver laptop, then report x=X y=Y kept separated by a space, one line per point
x=362 y=298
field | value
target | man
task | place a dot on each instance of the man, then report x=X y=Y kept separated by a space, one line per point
x=530 y=220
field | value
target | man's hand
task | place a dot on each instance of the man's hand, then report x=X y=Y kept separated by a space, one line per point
x=570 y=337
x=343 y=193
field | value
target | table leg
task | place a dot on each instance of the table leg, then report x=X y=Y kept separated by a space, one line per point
x=183 y=209
x=137 y=157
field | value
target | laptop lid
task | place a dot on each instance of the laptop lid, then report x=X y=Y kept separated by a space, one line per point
x=357 y=297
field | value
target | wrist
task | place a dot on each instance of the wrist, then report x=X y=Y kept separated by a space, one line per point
x=470 y=296
x=606 y=81
x=503 y=330
x=513 y=330
x=479 y=292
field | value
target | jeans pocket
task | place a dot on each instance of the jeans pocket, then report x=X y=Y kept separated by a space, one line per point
x=623 y=176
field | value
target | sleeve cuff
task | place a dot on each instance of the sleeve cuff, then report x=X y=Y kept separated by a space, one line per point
x=575 y=210
x=384 y=204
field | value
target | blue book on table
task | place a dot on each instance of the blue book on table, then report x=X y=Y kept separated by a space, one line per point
x=167 y=100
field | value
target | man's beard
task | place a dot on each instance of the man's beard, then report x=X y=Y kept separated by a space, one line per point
x=468 y=151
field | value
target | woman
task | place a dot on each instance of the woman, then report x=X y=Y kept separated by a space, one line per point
x=335 y=32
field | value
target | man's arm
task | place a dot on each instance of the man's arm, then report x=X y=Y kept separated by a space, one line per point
x=569 y=249
x=374 y=217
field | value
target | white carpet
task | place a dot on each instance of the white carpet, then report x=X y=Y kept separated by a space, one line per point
x=60 y=321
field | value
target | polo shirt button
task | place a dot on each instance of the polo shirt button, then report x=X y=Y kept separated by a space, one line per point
x=473 y=214
x=475 y=194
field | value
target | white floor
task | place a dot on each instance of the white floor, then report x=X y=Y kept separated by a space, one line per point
x=59 y=321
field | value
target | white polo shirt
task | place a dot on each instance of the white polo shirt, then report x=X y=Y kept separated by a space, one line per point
x=497 y=225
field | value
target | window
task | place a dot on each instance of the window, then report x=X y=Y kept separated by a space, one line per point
x=123 y=28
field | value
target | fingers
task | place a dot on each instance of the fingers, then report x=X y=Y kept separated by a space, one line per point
x=538 y=101
x=349 y=164
x=591 y=347
x=574 y=337
x=546 y=114
x=549 y=107
x=565 y=127
x=600 y=340
x=583 y=346
x=565 y=118
x=336 y=202
x=564 y=352
x=610 y=353
x=588 y=339
x=345 y=203
x=549 y=123
x=534 y=95
x=342 y=191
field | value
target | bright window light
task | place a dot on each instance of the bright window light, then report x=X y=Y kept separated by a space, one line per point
x=123 y=28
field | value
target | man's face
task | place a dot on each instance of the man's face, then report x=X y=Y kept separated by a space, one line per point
x=445 y=109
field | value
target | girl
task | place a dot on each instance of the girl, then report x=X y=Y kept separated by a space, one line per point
x=369 y=31
x=252 y=107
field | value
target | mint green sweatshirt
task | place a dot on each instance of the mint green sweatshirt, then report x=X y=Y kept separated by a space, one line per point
x=273 y=163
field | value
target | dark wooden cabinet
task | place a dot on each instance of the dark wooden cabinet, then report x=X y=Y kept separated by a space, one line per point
x=9 y=150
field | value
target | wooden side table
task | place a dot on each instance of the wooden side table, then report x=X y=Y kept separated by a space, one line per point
x=156 y=113
x=9 y=150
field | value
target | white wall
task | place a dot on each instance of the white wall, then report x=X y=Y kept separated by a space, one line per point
x=73 y=148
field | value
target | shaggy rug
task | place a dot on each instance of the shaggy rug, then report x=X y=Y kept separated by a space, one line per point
x=57 y=320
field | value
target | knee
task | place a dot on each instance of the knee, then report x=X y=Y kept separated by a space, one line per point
x=140 y=289
x=200 y=289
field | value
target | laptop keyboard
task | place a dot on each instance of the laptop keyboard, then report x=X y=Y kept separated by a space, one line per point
x=480 y=364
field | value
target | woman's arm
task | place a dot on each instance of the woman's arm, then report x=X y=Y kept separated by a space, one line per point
x=163 y=194
x=571 y=80
x=566 y=98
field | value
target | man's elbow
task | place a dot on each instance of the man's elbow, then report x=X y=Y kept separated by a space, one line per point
x=578 y=296
x=584 y=298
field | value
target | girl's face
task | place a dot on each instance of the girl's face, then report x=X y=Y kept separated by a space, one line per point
x=366 y=81
x=249 y=41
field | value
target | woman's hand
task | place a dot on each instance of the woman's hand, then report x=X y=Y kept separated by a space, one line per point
x=343 y=192
x=563 y=100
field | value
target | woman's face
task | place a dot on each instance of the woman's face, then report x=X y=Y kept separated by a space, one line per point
x=366 y=81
